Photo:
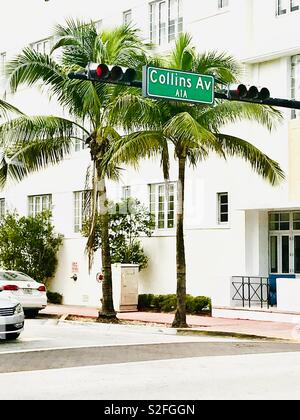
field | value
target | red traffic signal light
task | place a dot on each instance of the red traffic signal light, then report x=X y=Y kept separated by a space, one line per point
x=251 y=94
x=110 y=74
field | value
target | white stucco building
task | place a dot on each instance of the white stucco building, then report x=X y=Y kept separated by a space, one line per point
x=236 y=224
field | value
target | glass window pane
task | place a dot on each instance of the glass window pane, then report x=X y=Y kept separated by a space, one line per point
x=224 y=199
x=285 y=226
x=284 y=217
x=162 y=22
x=274 y=254
x=297 y=254
x=274 y=217
x=285 y=254
x=274 y=226
x=224 y=218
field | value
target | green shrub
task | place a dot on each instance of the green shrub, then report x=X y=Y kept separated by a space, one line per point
x=157 y=302
x=201 y=303
x=30 y=245
x=145 y=302
x=168 y=303
x=54 y=298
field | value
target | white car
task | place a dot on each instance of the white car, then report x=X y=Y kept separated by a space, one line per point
x=31 y=294
x=11 y=318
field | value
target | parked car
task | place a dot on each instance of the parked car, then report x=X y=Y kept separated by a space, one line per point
x=31 y=294
x=11 y=318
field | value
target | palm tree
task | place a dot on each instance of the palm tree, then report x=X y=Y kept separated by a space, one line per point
x=194 y=132
x=6 y=109
x=35 y=142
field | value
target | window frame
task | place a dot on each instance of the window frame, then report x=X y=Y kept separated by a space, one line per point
x=285 y=7
x=295 y=82
x=33 y=210
x=2 y=207
x=36 y=46
x=3 y=59
x=126 y=192
x=127 y=13
x=81 y=212
x=220 y=212
x=223 y=4
x=160 y=29
x=163 y=210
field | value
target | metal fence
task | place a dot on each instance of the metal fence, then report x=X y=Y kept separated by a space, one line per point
x=250 y=291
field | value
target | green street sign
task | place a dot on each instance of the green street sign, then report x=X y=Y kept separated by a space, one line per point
x=178 y=85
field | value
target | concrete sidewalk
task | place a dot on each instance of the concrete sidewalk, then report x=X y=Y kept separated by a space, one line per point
x=198 y=324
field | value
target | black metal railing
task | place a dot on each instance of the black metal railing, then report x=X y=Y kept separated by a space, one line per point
x=250 y=291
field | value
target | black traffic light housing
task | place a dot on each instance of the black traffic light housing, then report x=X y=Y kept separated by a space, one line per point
x=104 y=73
x=252 y=94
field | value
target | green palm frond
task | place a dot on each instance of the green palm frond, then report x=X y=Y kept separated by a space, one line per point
x=183 y=55
x=135 y=146
x=38 y=128
x=132 y=111
x=231 y=112
x=30 y=144
x=6 y=109
x=220 y=65
x=31 y=67
x=186 y=133
x=260 y=163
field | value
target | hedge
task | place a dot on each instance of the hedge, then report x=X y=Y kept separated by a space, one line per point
x=168 y=303
x=54 y=298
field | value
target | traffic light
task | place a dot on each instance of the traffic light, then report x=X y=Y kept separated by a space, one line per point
x=253 y=94
x=107 y=74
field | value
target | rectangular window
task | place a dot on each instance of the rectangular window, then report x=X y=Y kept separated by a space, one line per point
x=223 y=208
x=222 y=4
x=166 y=21
x=295 y=83
x=2 y=62
x=297 y=254
x=127 y=17
x=294 y=5
x=126 y=193
x=43 y=46
x=152 y=23
x=81 y=135
x=274 y=254
x=39 y=203
x=82 y=208
x=98 y=25
x=162 y=12
x=162 y=205
x=279 y=221
x=2 y=207
x=281 y=7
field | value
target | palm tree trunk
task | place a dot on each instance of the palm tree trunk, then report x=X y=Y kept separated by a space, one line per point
x=107 y=311
x=180 y=316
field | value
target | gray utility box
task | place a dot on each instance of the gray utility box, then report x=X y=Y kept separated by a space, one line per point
x=125 y=287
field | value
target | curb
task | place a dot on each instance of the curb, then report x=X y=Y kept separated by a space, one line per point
x=180 y=331
x=229 y=334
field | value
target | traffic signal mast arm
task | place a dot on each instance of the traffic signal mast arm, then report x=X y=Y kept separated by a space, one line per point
x=253 y=95
x=118 y=75
x=282 y=103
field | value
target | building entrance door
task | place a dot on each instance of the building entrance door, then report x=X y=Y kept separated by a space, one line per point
x=284 y=246
x=284 y=254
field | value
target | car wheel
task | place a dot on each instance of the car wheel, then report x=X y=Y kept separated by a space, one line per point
x=13 y=336
x=31 y=313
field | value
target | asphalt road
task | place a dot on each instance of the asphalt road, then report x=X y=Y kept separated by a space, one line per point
x=71 y=361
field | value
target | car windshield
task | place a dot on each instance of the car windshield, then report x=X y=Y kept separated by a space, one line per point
x=14 y=276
